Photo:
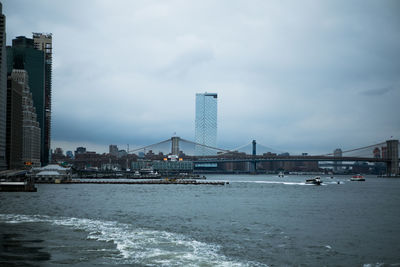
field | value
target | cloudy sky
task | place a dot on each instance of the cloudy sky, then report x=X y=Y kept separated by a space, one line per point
x=298 y=76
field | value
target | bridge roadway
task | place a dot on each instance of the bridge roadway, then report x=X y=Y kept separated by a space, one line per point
x=259 y=158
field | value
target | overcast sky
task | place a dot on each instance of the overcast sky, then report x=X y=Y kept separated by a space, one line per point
x=298 y=76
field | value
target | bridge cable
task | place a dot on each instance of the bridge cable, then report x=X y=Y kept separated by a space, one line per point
x=156 y=144
x=355 y=149
x=194 y=143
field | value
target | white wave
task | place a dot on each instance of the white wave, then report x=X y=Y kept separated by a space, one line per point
x=274 y=182
x=378 y=264
x=141 y=246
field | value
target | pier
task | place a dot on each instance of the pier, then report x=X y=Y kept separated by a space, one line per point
x=165 y=181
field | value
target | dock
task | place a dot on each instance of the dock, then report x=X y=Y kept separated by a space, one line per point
x=165 y=181
x=11 y=186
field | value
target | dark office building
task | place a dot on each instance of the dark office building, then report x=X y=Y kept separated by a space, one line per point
x=3 y=89
x=44 y=42
x=14 y=124
x=25 y=53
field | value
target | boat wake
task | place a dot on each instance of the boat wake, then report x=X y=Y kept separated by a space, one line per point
x=270 y=182
x=139 y=246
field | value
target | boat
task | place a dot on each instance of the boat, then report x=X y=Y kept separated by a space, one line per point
x=357 y=177
x=280 y=174
x=315 y=181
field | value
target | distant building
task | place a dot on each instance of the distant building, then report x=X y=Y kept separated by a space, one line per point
x=23 y=55
x=206 y=122
x=122 y=153
x=80 y=150
x=43 y=42
x=337 y=153
x=113 y=150
x=110 y=167
x=163 y=166
x=3 y=89
x=69 y=154
x=59 y=151
x=35 y=56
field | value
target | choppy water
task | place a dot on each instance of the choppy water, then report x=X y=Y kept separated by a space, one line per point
x=254 y=221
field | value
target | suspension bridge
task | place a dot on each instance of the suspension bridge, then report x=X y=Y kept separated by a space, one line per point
x=254 y=154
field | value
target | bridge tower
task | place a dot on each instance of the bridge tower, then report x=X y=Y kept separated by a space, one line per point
x=175 y=145
x=254 y=143
x=392 y=166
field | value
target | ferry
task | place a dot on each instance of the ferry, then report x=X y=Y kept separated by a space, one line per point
x=357 y=177
x=315 y=181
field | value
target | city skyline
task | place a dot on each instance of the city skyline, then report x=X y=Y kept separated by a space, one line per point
x=289 y=77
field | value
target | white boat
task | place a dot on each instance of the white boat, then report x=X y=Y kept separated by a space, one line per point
x=315 y=181
x=357 y=177
x=280 y=174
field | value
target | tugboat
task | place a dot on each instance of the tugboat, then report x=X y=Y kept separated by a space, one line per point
x=315 y=181
x=357 y=177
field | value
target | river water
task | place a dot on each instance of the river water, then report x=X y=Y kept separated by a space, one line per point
x=255 y=220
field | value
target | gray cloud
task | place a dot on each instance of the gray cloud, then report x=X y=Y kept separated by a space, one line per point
x=377 y=91
x=288 y=74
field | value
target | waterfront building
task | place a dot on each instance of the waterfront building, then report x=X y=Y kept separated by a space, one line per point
x=52 y=173
x=206 y=122
x=162 y=165
x=30 y=125
x=23 y=55
x=110 y=167
x=34 y=56
x=3 y=89
x=14 y=119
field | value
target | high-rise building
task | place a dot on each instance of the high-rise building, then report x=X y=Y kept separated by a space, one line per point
x=30 y=125
x=24 y=56
x=3 y=89
x=43 y=42
x=206 y=122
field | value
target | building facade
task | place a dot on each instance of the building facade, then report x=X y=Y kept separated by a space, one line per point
x=14 y=124
x=3 y=89
x=206 y=123
x=25 y=54
x=30 y=125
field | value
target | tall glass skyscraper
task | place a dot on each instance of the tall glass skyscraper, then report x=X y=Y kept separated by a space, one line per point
x=35 y=57
x=3 y=89
x=206 y=122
